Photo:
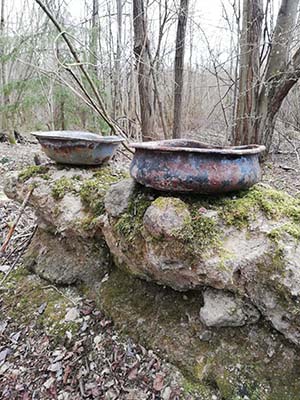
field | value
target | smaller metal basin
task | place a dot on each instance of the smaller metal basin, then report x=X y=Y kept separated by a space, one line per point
x=78 y=148
x=191 y=166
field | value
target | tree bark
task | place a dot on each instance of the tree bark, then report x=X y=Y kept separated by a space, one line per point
x=179 y=66
x=4 y=97
x=249 y=78
x=117 y=101
x=261 y=94
x=143 y=67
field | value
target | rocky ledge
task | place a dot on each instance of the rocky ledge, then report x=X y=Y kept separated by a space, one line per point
x=227 y=270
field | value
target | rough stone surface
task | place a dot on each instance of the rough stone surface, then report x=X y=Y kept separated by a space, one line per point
x=68 y=246
x=253 y=249
x=117 y=198
x=247 y=244
x=252 y=361
x=64 y=215
x=166 y=217
x=223 y=309
x=65 y=261
x=239 y=254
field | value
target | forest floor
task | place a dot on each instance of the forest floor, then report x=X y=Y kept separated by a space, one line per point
x=54 y=344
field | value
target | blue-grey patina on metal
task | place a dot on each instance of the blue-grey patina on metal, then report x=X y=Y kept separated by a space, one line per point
x=78 y=148
x=190 y=166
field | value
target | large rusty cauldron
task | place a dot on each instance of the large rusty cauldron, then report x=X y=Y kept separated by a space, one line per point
x=191 y=166
x=78 y=148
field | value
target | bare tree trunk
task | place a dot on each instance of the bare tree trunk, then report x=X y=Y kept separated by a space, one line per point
x=94 y=36
x=117 y=78
x=145 y=83
x=179 y=64
x=4 y=98
x=281 y=72
x=246 y=116
x=261 y=94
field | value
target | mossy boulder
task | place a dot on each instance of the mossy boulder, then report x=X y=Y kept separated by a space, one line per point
x=245 y=243
x=64 y=198
x=250 y=362
x=68 y=246
x=64 y=262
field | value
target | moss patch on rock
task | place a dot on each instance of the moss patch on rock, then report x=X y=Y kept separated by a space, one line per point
x=34 y=170
x=290 y=228
x=242 y=209
x=130 y=224
x=237 y=362
x=61 y=187
x=22 y=296
x=203 y=231
x=92 y=190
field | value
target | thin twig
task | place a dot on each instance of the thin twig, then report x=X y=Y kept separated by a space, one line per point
x=13 y=227
x=18 y=258
x=60 y=292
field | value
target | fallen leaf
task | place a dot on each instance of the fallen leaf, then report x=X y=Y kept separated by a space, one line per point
x=3 y=354
x=4 y=268
x=3 y=325
x=49 y=382
x=68 y=369
x=132 y=374
x=55 y=367
x=158 y=382
x=42 y=308
x=72 y=314
x=14 y=337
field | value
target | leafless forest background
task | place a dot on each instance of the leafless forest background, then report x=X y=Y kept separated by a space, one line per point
x=43 y=88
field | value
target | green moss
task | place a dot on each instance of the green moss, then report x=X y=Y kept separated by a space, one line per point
x=289 y=228
x=88 y=222
x=198 y=233
x=25 y=293
x=234 y=362
x=165 y=202
x=242 y=209
x=93 y=190
x=130 y=224
x=197 y=389
x=34 y=170
x=202 y=233
x=61 y=187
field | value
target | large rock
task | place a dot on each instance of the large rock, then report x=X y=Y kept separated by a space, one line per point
x=247 y=244
x=68 y=246
x=66 y=261
x=249 y=362
x=224 y=309
x=239 y=254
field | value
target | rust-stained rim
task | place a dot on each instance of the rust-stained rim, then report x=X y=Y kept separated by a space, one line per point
x=77 y=135
x=182 y=145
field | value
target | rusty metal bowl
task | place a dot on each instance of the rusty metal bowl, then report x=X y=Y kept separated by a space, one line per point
x=78 y=148
x=191 y=166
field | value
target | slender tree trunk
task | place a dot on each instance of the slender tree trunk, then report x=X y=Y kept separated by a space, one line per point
x=145 y=83
x=4 y=97
x=246 y=122
x=261 y=95
x=94 y=50
x=178 y=67
x=118 y=78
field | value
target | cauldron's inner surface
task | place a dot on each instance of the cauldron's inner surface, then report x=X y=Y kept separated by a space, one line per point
x=194 y=146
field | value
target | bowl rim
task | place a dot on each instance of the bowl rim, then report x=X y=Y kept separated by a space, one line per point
x=64 y=136
x=205 y=148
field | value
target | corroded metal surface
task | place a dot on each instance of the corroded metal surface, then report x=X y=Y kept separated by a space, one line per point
x=190 y=166
x=78 y=148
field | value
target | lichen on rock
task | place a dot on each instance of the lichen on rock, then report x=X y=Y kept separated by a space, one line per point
x=235 y=362
x=243 y=243
x=222 y=309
